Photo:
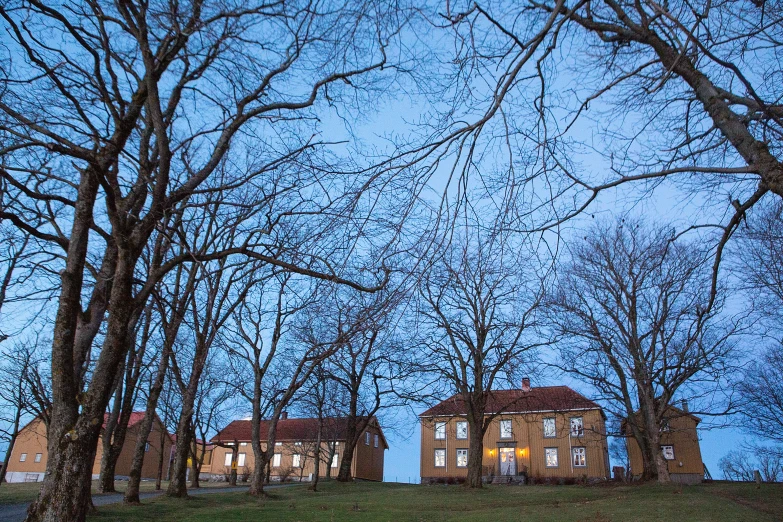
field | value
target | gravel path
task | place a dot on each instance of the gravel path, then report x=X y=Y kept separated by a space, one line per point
x=16 y=512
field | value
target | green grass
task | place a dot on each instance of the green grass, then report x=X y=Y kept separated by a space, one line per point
x=19 y=492
x=399 y=502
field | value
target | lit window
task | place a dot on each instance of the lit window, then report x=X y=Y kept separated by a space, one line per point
x=38 y=457
x=366 y=438
x=505 y=429
x=278 y=443
x=440 y=431
x=23 y=457
x=241 y=460
x=243 y=443
x=462 y=458
x=375 y=441
x=578 y=457
x=668 y=452
x=549 y=427
x=550 y=457
x=276 y=460
x=297 y=460
x=577 y=427
x=334 y=460
x=228 y=459
x=440 y=458
x=298 y=443
x=462 y=430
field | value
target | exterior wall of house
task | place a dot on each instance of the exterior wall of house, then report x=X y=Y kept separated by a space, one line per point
x=31 y=441
x=527 y=442
x=368 y=458
x=687 y=466
x=287 y=450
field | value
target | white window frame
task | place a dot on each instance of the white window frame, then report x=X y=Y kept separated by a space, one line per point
x=671 y=450
x=276 y=460
x=375 y=440
x=296 y=460
x=227 y=460
x=335 y=458
x=278 y=443
x=241 y=460
x=462 y=452
x=243 y=443
x=547 y=453
x=366 y=438
x=579 y=424
x=510 y=434
x=442 y=453
x=23 y=457
x=38 y=457
x=579 y=451
x=440 y=430
x=553 y=424
x=462 y=426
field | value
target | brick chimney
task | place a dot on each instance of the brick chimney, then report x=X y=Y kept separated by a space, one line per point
x=283 y=415
x=525 y=384
x=684 y=405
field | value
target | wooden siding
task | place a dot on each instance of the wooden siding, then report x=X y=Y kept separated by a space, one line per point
x=31 y=440
x=528 y=442
x=684 y=438
x=368 y=459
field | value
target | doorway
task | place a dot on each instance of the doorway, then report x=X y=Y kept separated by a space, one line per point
x=508 y=464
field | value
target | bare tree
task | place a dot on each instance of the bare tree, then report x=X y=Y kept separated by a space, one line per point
x=98 y=148
x=741 y=464
x=632 y=318
x=761 y=390
x=479 y=309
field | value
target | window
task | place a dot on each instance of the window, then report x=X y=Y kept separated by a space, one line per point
x=243 y=443
x=577 y=427
x=298 y=443
x=550 y=457
x=366 y=438
x=440 y=458
x=147 y=446
x=505 y=429
x=297 y=461
x=462 y=458
x=241 y=461
x=462 y=430
x=278 y=443
x=38 y=457
x=665 y=426
x=668 y=452
x=549 y=428
x=228 y=459
x=375 y=442
x=334 y=460
x=578 y=457
x=276 y=460
x=440 y=431
x=23 y=457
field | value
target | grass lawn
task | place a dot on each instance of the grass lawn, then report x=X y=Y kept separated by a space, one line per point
x=27 y=492
x=402 y=502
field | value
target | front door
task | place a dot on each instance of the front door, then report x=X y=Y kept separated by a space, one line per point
x=508 y=465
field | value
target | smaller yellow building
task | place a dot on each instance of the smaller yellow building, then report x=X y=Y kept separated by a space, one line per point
x=550 y=432
x=679 y=445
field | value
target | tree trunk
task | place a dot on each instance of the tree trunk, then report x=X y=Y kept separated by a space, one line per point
x=317 y=454
x=232 y=477
x=332 y=451
x=475 y=453
x=194 y=467
x=73 y=434
x=344 y=474
x=161 y=459
x=179 y=469
x=144 y=429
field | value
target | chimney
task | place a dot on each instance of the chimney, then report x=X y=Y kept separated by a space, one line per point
x=525 y=384
x=283 y=415
x=684 y=405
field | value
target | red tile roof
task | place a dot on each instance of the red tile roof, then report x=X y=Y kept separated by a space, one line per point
x=544 y=398
x=135 y=417
x=287 y=430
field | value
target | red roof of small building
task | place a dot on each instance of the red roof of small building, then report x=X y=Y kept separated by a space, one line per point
x=544 y=398
x=335 y=428
x=135 y=417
